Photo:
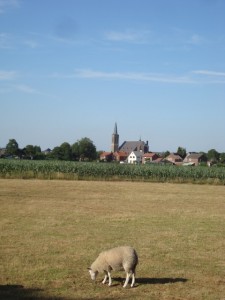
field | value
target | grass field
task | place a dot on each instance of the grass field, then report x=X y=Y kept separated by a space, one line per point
x=51 y=231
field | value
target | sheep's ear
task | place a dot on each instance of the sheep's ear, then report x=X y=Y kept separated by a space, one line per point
x=89 y=268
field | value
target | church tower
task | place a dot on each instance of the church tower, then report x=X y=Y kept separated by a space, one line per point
x=115 y=140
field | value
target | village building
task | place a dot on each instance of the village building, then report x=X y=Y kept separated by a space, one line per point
x=47 y=151
x=134 y=152
x=149 y=157
x=135 y=157
x=106 y=156
x=174 y=158
x=129 y=146
x=120 y=156
x=2 y=152
x=194 y=159
x=121 y=153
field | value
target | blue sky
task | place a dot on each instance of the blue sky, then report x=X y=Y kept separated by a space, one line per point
x=72 y=68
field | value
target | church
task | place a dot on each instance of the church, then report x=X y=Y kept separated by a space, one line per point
x=121 y=152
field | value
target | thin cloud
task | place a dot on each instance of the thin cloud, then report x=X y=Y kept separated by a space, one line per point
x=129 y=36
x=185 y=39
x=26 y=89
x=193 y=77
x=7 y=75
x=5 y=41
x=196 y=39
x=9 y=88
x=8 y=41
x=8 y=4
x=31 y=44
x=209 y=73
x=133 y=76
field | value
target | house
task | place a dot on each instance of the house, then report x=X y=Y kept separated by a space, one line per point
x=149 y=157
x=106 y=156
x=120 y=156
x=174 y=159
x=2 y=152
x=135 y=157
x=47 y=151
x=158 y=160
x=195 y=159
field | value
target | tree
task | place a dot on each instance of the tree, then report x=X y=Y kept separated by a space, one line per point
x=84 y=149
x=203 y=158
x=56 y=154
x=29 y=151
x=33 y=152
x=88 y=149
x=182 y=152
x=75 y=151
x=222 y=157
x=12 y=148
x=165 y=154
x=66 y=151
x=98 y=153
x=213 y=155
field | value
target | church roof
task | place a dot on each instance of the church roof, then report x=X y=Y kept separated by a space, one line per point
x=129 y=146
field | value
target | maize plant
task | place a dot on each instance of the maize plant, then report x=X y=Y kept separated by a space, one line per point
x=109 y=171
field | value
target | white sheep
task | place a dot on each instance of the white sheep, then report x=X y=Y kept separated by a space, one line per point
x=117 y=259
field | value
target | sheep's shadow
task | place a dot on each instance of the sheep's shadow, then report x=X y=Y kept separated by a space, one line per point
x=147 y=280
x=19 y=292
x=10 y=292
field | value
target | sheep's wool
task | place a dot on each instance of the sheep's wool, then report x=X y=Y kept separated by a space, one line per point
x=117 y=259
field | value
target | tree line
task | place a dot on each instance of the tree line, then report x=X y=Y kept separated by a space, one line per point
x=212 y=155
x=82 y=150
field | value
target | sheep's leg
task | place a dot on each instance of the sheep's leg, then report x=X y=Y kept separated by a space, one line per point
x=133 y=280
x=127 y=280
x=110 y=279
x=105 y=278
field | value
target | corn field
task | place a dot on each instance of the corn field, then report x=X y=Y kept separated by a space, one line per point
x=25 y=169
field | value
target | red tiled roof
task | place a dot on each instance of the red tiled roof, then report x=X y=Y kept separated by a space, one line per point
x=159 y=159
x=105 y=154
x=120 y=153
x=149 y=154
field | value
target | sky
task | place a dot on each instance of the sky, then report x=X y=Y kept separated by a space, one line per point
x=70 y=69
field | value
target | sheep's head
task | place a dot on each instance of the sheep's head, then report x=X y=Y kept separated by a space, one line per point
x=93 y=274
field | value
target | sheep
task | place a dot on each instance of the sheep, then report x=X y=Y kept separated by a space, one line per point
x=117 y=259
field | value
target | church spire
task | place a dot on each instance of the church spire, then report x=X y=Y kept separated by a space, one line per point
x=115 y=129
x=115 y=140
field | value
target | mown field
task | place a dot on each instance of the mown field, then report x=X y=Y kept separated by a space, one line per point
x=28 y=169
x=51 y=231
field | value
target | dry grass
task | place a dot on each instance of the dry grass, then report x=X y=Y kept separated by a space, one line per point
x=51 y=231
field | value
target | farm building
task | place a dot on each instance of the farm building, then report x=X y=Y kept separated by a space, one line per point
x=194 y=158
x=149 y=157
x=174 y=159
